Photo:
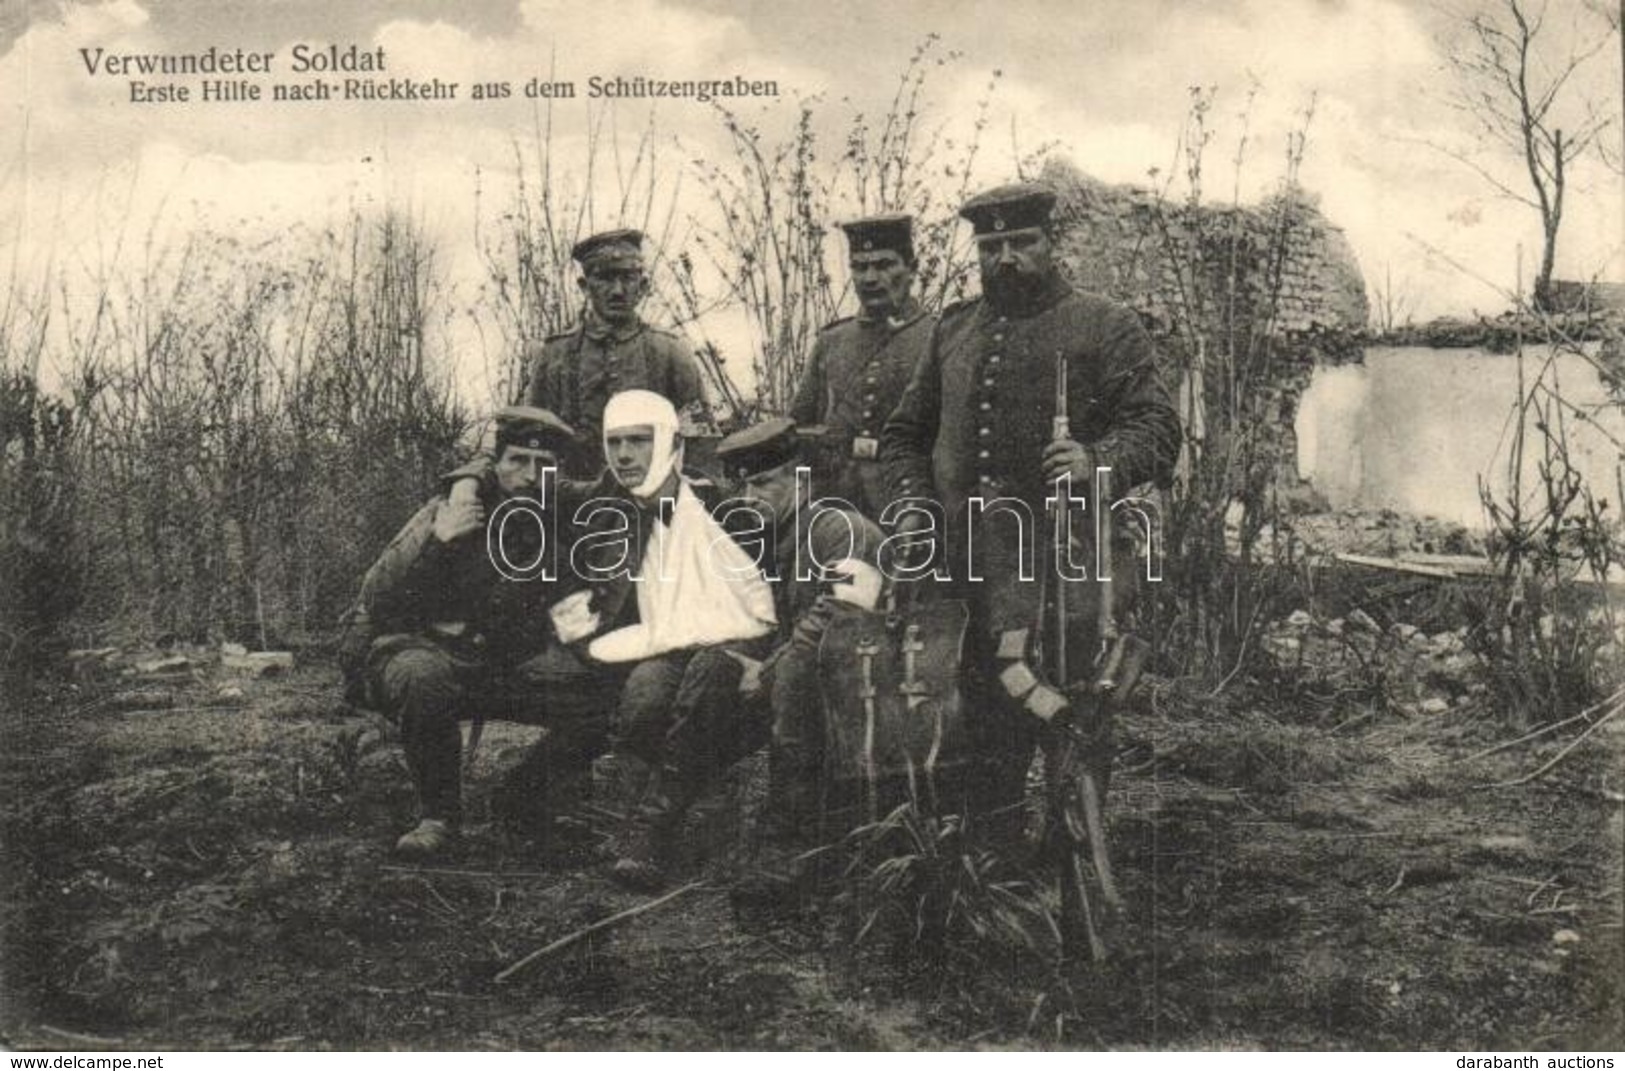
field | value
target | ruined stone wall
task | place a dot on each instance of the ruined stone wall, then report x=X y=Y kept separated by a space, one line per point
x=1289 y=263
x=1275 y=282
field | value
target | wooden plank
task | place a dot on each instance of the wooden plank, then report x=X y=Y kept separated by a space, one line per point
x=1460 y=564
x=1396 y=565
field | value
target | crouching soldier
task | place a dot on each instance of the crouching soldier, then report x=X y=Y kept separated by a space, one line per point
x=441 y=633
x=817 y=557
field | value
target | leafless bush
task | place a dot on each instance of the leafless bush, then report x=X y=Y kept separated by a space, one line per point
x=1393 y=304
x=36 y=518
x=1230 y=351
x=1546 y=627
x=769 y=246
x=37 y=493
x=772 y=205
x=253 y=422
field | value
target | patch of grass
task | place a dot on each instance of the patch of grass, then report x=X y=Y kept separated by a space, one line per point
x=922 y=878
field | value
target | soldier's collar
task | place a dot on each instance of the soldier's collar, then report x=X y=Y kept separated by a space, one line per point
x=912 y=310
x=601 y=330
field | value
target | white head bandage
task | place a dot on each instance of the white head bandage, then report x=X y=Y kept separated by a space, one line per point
x=631 y=408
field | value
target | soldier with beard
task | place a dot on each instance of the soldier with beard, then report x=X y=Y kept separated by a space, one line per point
x=976 y=423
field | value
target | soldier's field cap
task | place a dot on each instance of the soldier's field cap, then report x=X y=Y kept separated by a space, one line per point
x=758 y=448
x=1015 y=207
x=611 y=249
x=532 y=429
x=893 y=230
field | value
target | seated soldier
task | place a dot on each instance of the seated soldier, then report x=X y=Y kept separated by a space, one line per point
x=439 y=634
x=676 y=593
x=693 y=587
x=726 y=702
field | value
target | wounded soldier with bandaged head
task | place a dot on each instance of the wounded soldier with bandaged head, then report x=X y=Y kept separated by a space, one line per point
x=728 y=633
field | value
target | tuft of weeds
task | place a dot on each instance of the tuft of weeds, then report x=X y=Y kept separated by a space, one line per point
x=922 y=878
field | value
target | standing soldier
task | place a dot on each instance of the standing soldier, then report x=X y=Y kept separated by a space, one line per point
x=976 y=422
x=612 y=349
x=860 y=364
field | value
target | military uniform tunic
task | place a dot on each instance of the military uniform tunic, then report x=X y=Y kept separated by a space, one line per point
x=974 y=421
x=437 y=635
x=977 y=412
x=853 y=380
x=574 y=374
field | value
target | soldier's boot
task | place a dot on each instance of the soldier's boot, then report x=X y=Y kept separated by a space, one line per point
x=432 y=838
x=422 y=695
x=650 y=846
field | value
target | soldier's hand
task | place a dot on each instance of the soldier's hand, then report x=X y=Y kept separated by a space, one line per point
x=574 y=618
x=915 y=552
x=465 y=489
x=1068 y=457
x=453 y=520
x=750 y=681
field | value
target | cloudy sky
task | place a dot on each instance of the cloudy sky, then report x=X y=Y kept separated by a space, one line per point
x=1108 y=81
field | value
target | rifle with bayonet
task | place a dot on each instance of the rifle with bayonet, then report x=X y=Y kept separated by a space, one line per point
x=1074 y=822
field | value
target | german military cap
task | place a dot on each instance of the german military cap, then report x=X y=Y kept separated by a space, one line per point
x=532 y=429
x=758 y=448
x=1014 y=207
x=894 y=231
x=616 y=249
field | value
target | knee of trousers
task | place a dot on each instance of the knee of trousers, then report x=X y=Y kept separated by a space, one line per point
x=797 y=732
x=419 y=683
x=647 y=696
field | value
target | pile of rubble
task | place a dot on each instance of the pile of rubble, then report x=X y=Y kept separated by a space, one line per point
x=158 y=678
x=1416 y=671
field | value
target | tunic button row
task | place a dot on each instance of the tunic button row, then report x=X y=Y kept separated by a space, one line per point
x=986 y=407
x=984 y=432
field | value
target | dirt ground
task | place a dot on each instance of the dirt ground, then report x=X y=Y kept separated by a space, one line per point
x=201 y=861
